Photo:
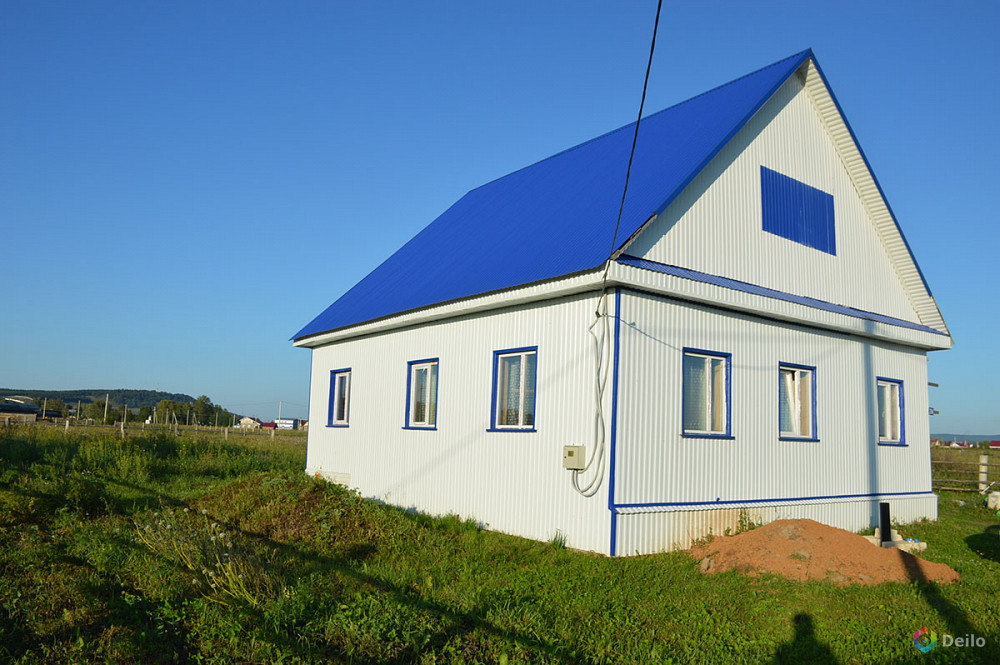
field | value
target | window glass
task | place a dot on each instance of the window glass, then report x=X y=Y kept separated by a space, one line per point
x=705 y=393
x=795 y=402
x=515 y=389
x=422 y=390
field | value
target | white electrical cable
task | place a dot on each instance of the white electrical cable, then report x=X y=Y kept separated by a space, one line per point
x=601 y=367
x=601 y=341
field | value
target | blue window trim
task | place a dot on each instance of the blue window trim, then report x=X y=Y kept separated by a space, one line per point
x=409 y=381
x=332 y=405
x=814 y=437
x=728 y=434
x=902 y=414
x=493 y=395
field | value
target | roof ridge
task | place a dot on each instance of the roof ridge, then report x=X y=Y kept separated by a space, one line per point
x=808 y=51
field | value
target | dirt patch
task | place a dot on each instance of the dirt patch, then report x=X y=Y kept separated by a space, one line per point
x=807 y=550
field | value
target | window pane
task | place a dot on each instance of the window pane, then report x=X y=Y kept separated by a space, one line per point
x=786 y=394
x=420 y=395
x=529 y=390
x=341 y=411
x=695 y=394
x=894 y=412
x=883 y=423
x=510 y=390
x=718 y=401
x=432 y=385
x=805 y=403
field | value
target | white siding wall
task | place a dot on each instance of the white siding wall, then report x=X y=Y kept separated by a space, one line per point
x=656 y=465
x=715 y=225
x=513 y=482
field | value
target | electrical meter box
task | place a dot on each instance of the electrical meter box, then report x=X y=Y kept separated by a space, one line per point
x=574 y=457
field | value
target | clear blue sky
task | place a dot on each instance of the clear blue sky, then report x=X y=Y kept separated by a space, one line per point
x=184 y=185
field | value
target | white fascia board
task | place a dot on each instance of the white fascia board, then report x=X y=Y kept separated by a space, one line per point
x=556 y=288
x=644 y=280
x=719 y=296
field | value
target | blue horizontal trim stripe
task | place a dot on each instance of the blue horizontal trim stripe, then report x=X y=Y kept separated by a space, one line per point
x=746 y=287
x=746 y=501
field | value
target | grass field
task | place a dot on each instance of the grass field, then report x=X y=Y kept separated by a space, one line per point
x=193 y=548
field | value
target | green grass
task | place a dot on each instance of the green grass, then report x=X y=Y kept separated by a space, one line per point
x=192 y=548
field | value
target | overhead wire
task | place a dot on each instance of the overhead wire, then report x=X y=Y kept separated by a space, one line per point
x=602 y=347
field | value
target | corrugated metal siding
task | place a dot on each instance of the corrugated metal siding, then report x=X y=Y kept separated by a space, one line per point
x=871 y=194
x=567 y=205
x=513 y=482
x=737 y=285
x=647 y=533
x=656 y=465
x=715 y=226
x=754 y=301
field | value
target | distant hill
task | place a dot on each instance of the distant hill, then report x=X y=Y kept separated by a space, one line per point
x=118 y=397
x=967 y=437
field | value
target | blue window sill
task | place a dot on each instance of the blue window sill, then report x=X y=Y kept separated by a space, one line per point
x=348 y=425
x=691 y=435
x=426 y=429
x=804 y=439
x=511 y=429
x=899 y=444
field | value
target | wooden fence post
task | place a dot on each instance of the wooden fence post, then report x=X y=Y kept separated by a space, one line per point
x=983 y=471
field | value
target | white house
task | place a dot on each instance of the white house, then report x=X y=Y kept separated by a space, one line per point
x=759 y=352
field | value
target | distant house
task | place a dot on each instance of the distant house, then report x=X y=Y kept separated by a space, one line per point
x=762 y=331
x=246 y=422
x=287 y=423
x=16 y=412
x=994 y=445
x=268 y=426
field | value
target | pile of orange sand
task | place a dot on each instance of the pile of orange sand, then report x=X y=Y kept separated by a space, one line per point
x=807 y=550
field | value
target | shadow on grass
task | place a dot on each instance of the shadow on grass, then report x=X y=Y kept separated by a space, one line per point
x=954 y=617
x=294 y=563
x=804 y=647
x=987 y=543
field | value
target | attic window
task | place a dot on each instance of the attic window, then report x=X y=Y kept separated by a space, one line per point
x=796 y=211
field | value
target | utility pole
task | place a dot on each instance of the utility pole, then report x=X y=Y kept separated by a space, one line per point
x=279 y=409
x=78 y=410
x=45 y=403
x=106 y=397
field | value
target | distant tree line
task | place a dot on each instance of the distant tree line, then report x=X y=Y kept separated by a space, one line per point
x=199 y=411
x=116 y=397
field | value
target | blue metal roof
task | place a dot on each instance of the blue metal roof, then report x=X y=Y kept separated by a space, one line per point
x=557 y=216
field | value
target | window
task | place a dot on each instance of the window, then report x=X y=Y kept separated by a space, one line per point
x=706 y=404
x=796 y=402
x=890 y=411
x=340 y=398
x=421 y=394
x=514 y=389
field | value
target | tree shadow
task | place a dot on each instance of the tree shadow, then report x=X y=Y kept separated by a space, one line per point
x=954 y=616
x=987 y=543
x=804 y=647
